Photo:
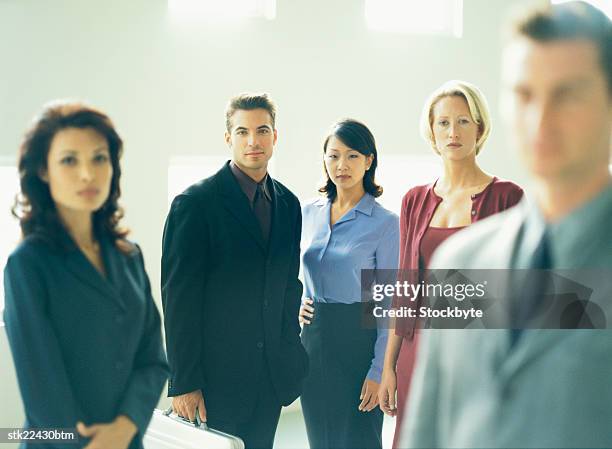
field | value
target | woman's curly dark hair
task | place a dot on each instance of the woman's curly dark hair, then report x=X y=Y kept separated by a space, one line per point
x=34 y=206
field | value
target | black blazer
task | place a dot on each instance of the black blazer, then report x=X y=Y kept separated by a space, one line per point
x=230 y=302
x=85 y=348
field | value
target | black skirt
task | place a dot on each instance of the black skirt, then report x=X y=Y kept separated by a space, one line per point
x=340 y=348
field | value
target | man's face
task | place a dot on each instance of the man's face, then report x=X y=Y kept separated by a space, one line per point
x=559 y=107
x=251 y=140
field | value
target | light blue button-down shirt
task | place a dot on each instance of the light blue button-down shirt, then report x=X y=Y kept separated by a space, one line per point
x=366 y=237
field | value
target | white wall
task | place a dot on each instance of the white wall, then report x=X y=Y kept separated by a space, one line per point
x=166 y=87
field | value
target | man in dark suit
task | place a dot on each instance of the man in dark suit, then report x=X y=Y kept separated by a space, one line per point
x=230 y=286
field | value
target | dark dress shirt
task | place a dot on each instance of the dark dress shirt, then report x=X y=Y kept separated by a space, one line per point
x=261 y=203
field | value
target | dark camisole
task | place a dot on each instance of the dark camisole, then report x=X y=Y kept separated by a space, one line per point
x=432 y=238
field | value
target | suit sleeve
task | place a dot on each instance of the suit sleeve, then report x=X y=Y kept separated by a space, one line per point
x=150 y=369
x=293 y=292
x=43 y=380
x=184 y=256
x=420 y=426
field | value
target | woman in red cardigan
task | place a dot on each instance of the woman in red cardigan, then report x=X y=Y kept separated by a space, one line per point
x=456 y=123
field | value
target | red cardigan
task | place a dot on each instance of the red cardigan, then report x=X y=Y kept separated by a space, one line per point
x=418 y=207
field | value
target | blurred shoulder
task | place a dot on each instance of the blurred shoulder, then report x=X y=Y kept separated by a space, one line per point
x=31 y=247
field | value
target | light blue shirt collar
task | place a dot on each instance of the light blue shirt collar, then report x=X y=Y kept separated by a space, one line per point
x=364 y=206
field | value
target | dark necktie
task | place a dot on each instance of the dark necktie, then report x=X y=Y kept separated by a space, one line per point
x=533 y=287
x=261 y=210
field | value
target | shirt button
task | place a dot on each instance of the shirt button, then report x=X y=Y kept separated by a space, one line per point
x=473 y=196
x=265 y=303
x=473 y=212
x=260 y=344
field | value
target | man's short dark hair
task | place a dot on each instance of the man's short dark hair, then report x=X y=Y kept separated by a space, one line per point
x=248 y=102
x=570 y=20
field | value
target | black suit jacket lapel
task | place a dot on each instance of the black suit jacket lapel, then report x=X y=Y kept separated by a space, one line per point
x=236 y=202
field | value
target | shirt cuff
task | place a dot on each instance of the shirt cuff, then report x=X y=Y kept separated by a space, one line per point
x=375 y=374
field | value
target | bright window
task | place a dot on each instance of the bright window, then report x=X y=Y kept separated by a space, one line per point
x=429 y=17
x=9 y=226
x=221 y=10
x=604 y=5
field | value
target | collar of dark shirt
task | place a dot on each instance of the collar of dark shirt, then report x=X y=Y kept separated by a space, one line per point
x=248 y=185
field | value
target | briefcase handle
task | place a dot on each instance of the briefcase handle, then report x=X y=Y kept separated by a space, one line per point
x=197 y=422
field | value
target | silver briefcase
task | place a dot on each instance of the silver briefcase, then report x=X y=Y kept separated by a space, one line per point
x=167 y=431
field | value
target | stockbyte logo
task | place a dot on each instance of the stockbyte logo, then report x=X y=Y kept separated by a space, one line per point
x=490 y=299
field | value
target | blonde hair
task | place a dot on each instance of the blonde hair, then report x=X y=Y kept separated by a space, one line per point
x=477 y=104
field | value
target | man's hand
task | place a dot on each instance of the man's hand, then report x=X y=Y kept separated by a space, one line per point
x=115 y=435
x=369 y=395
x=387 y=391
x=185 y=405
x=306 y=311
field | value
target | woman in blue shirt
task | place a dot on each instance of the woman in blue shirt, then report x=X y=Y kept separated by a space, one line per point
x=342 y=234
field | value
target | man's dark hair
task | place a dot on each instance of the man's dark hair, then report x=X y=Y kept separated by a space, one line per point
x=571 y=20
x=248 y=102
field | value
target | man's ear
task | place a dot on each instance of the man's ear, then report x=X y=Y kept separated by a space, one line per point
x=275 y=136
x=228 y=139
